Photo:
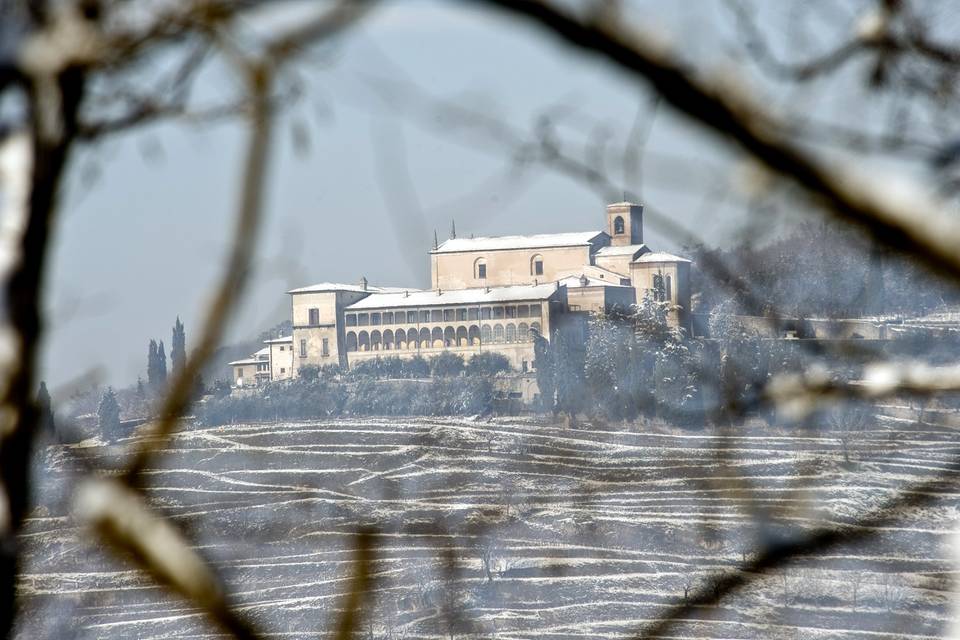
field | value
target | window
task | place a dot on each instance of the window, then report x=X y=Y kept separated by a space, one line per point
x=303 y=348
x=480 y=269
x=411 y=316
x=536 y=265
x=658 y=287
x=461 y=314
x=240 y=372
x=326 y=348
x=282 y=370
x=281 y=347
x=375 y=318
x=574 y=307
x=667 y=289
x=363 y=319
x=534 y=311
x=351 y=319
x=436 y=315
x=388 y=317
x=511 y=312
x=314 y=317
x=485 y=313
x=497 y=313
x=424 y=315
x=448 y=315
x=618 y=225
x=523 y=311
x=473 y=313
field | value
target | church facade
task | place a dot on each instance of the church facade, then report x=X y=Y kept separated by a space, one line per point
x=486 y=294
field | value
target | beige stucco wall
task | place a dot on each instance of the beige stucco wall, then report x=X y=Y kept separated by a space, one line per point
x=456 y=270
x=641 y=275
x=518 y=351
x=617 y=264
x=599 y=299
x=330 y=305
x=281 y=361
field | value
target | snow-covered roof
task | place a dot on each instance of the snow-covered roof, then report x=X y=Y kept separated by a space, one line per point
x=537 y=241
x=593 y=271
x=321 y=287
x=575 y=282
x=624 y=250
x=660 y=256
x=253 y=358
x=456 y=296
x=278 y=340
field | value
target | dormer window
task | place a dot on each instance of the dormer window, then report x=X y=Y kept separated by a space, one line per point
x=618 y=225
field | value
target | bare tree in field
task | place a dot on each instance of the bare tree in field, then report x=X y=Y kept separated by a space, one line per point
x=63 y=67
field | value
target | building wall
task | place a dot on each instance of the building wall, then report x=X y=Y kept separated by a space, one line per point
x=617 y=264
x=506 y=267
x=281 y=360
x=641 y=276
x=600 y=299
x=308 y=339
x=465 y=337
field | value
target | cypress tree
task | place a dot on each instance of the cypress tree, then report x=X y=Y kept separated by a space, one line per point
x=108 y=414
x=161 y=364
x=153 y=374
x=45 y=407
x=178 y=346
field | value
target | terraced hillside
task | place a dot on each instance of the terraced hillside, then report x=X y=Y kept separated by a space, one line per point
x=513 y=529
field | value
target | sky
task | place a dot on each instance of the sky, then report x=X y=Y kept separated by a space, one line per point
x=145 y=217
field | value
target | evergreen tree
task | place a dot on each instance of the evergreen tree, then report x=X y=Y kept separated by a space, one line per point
x=161 y=364
x=178 y=347
x=45 y=407
x=546 y=378
x=153 y=372
x=141 y=390
x=108 y=414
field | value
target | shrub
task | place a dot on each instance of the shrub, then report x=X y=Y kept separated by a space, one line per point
x=309 y=372
x=487 y=363
x=446 y=365
x=416 y=367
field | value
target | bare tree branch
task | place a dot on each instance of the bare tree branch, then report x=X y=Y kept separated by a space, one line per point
x=897 y=215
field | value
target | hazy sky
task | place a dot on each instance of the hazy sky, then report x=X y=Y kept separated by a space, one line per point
x=144 y=223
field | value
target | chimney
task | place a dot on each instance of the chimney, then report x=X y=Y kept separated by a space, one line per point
x=439 y=291
x=363 y=283
x=583 y=280
x=406 y=294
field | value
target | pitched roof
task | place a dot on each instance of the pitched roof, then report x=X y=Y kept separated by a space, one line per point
x=593 y=271
x=537 y=241
x=280 y=339
x=322 y=287
x=574 y=282
x=456 y=296
x=253 y=358
x=624 y=250
x=660 y=256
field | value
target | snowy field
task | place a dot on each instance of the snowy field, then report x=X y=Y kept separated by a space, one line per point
x=513 y=529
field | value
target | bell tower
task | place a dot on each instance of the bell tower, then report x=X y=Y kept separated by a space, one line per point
x=625 y=223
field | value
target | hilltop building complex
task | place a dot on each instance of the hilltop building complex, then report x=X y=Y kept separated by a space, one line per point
x=486 y=294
